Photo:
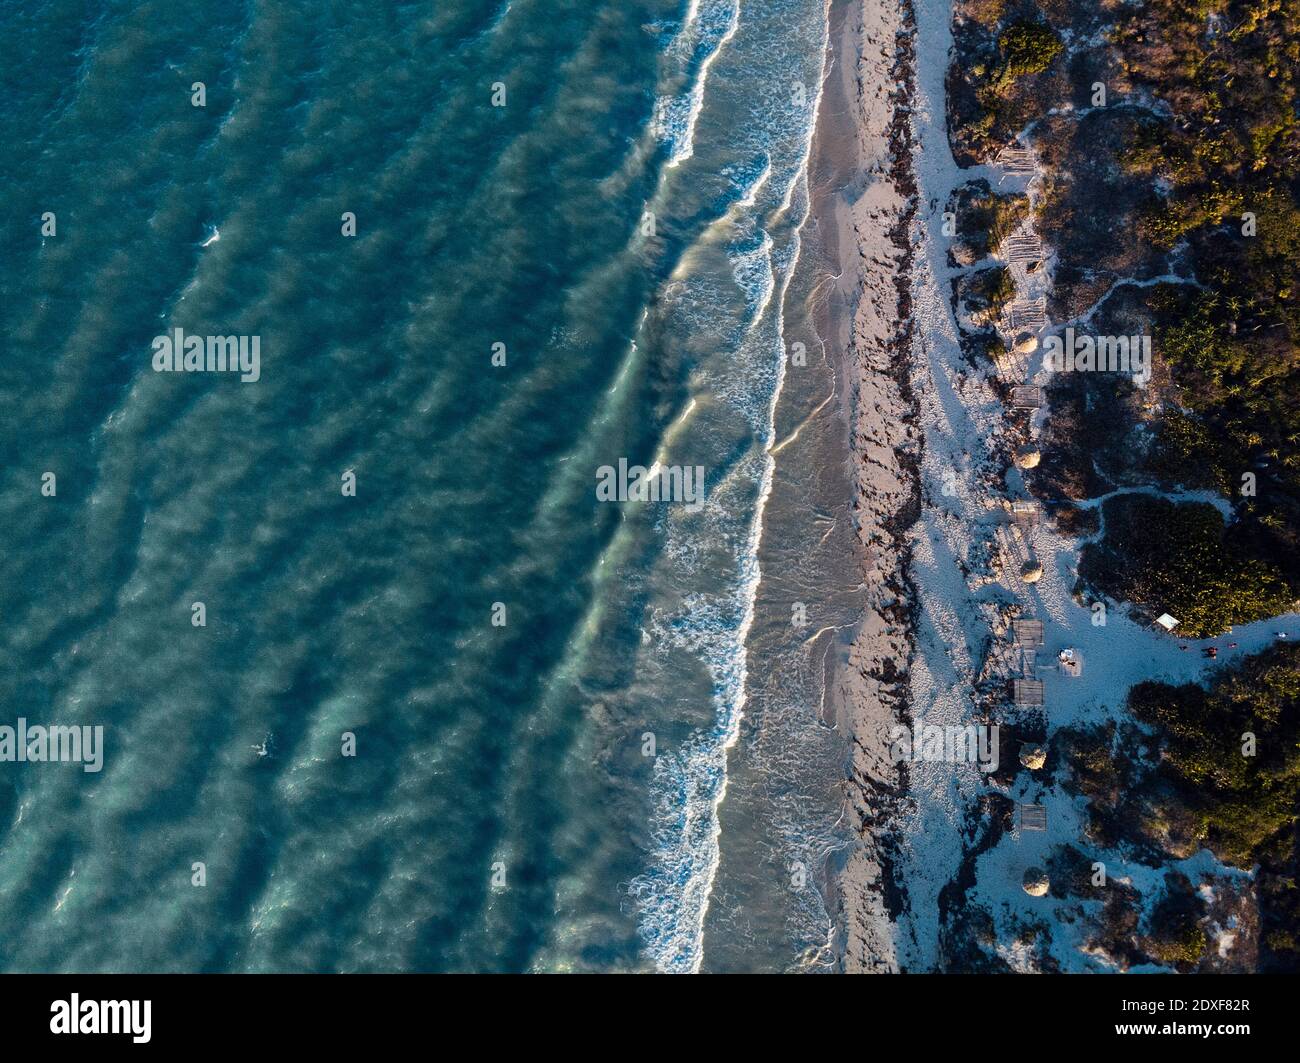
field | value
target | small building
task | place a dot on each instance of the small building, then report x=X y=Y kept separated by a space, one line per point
x=1071 y=662
x=1166 y=621
x=1026 y=397
x=1035 y=882
x=1027 y=457
x=1028 y=633
x=1033 y=817
x=1028 y=692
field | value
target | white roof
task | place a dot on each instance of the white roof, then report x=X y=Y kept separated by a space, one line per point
x=1166 y=621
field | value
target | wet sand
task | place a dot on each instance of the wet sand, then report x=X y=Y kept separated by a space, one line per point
x=861 y=181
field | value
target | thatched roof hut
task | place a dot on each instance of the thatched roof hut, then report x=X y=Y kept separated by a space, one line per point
x=1028 y=457
x=1036 y=882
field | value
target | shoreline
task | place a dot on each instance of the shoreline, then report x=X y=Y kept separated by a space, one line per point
x=921 y=445
x=863 y=203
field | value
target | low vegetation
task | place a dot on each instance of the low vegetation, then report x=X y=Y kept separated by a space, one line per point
x=1246 y=803
x=988 y=291
x=1187 y=166
x=1009 y=56
x=1176 y=937
x=984 y=219
x=1179 y=558
x=1026 y=48
x=1221 y=169
x=1214 y=767
x=1231 y=755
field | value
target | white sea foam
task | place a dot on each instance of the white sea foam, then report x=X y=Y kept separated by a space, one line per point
x=708 y=26
x=750 y=179
x=691 y=782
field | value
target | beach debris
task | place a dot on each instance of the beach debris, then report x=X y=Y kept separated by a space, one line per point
x=1166 y=621
x=1031 y=572
x=1028 y=458
x=1033 y=757
x=1036 y=882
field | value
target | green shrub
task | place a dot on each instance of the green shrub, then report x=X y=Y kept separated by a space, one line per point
x=1166 y=557
x=1185 y=946
x=1189 y=452
x=989 y=290
x=1027 y=48
x=1246 y=805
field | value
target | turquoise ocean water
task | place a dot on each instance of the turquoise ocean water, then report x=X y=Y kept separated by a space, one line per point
x=624 y=229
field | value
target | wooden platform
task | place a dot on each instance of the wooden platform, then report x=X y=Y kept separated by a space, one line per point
x=1026 y=397
x=1023 y=314
x=1023 y=512
x=1017 y=160
x=1028 y=632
